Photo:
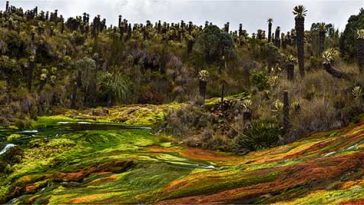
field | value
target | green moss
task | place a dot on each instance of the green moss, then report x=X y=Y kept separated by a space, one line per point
x=46 y=121
x=213 y=185
x=153 y=174
x=13 y=137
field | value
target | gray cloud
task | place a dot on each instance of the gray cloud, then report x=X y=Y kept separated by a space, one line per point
x=252 y=14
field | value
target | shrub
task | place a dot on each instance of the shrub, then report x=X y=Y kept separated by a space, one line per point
x=260 y=80
x=261 y=134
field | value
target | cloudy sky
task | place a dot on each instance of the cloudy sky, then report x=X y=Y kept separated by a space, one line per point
x=252 y=14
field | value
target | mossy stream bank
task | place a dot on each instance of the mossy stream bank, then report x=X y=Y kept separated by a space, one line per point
x=65 y=160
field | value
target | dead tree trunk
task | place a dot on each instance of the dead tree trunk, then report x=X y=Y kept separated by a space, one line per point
x=335 y=73
x=290 y=71
x=286 y=124
x=202 y=86
x=247 y=118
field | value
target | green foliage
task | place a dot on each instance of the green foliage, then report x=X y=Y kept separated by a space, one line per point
x=260 y=80
x=213 y=44
x=349 y=36
x=87 y=67
x=114 y=85
x=261 y=134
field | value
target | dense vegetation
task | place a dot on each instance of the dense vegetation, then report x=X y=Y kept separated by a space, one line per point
x=254 y=99
x=102 y=114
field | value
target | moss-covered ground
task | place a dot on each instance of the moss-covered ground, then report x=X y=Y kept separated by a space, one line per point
x=109 y=164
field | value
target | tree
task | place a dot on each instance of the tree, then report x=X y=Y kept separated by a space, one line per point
x=203 y=76
x=86 y=75
x=270 y=20
x=10 y=71
x=300 y=13
x=329 y=57
x=277 y=41
x=322 y=36
x=348 y=38
x=212 y=44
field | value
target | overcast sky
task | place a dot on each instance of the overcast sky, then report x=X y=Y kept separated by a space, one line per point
x=252 y=14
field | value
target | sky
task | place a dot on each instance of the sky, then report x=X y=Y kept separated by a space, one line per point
x=252 y=14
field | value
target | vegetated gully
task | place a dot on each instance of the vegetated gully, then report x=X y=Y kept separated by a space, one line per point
x=61 y=129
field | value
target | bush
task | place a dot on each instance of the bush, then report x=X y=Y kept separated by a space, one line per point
x=318 y=114
x=261 y=134
x=260 y=80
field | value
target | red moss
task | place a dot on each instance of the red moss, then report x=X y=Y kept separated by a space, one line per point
x=340 y=142
x=312 y=174
x=114 y=167
x=354 y=202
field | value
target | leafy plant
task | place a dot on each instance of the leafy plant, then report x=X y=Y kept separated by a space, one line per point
x=260 y=80
x=261 y=134
x=114 y=86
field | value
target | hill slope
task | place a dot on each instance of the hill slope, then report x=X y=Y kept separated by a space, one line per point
x=97 y=162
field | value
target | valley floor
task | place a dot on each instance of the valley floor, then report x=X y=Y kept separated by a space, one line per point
x=83 y=162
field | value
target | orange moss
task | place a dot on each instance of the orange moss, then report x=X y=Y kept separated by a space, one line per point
x=206 y=155
x=73 y=176
x=103 y=180
x=158 y=149
x=86 y=199
x=32 y=199
x=354 y=202
x=116 y=166
x=30 y=188
x=349 y=184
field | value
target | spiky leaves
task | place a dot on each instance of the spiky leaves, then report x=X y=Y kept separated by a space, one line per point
x=360 y=49
x=300 y=13
x=290 y=62
x=329 y=57
x=203 y=75
x=114 y=86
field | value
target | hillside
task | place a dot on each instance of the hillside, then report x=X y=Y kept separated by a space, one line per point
x=92 y=161
x=179 y=113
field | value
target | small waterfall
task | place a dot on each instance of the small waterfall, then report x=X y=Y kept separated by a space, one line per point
x=6 y=148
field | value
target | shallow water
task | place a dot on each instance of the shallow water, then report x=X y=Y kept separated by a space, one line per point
x=60 y=128
x=7 y=148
